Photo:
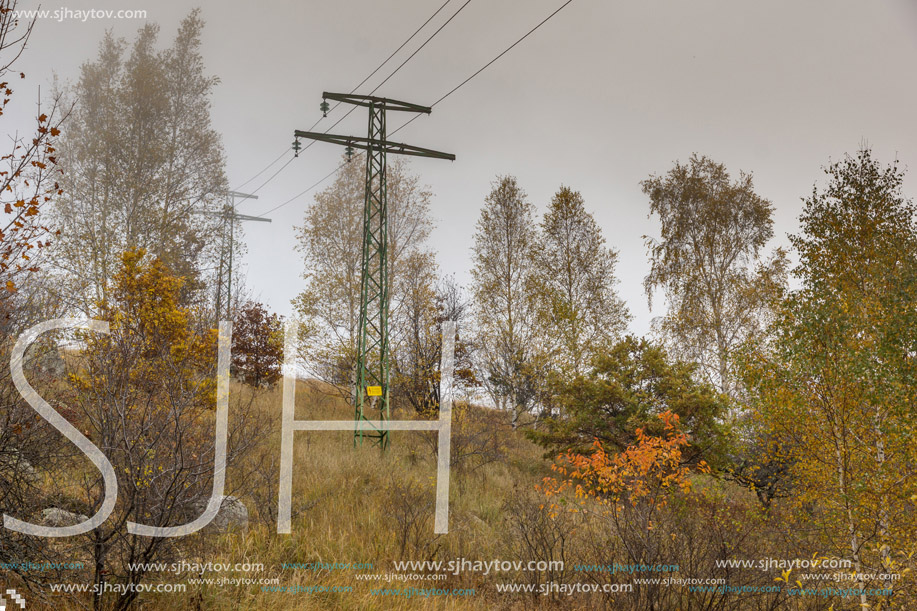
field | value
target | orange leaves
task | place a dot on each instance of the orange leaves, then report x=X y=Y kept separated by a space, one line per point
x=643 y=470
x=25 y=182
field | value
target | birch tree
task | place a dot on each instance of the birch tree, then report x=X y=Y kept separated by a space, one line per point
x=504 y=300
x=709 y=263
x=840 y=380
x=143 y=165
x=579 y=310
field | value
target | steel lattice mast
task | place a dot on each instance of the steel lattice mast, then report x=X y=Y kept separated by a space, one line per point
x=372 y=367
x=223 y=299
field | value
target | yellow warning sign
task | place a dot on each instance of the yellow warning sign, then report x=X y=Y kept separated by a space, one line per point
x=374 y=391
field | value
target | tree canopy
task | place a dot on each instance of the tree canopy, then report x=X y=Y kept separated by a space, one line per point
x=708 y=263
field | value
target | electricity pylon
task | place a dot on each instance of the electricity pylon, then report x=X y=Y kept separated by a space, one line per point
x=227 y=246
x=372 y=373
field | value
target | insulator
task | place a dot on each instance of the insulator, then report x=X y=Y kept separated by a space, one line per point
x=349 y=152
x=324 y=108
x=296 y=147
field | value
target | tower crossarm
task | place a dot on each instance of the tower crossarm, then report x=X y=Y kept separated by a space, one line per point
x=379 y=103
x=367 y=144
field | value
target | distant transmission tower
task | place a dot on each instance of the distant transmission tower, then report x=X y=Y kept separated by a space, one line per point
x=372 y=375
x=227 y=246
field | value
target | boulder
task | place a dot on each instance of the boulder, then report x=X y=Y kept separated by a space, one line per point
x=54 y=516
x=233 y=515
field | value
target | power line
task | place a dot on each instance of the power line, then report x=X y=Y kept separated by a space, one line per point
x=451 y=91
x=371 y=74
x=485 y=66
x=395 y=52
x=411 y=56
x=301 y=193
x=268 y=166
x=274 y=175
x=395 y=71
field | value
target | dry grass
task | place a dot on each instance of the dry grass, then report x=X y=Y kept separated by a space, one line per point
x=359 y=505
x=362 y=505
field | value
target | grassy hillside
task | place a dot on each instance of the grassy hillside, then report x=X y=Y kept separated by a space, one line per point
x=357 y=512
x=358 y=505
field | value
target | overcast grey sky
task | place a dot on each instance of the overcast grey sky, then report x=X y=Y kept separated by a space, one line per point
x=605 y=94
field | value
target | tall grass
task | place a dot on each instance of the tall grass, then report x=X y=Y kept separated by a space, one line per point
x=357 y=504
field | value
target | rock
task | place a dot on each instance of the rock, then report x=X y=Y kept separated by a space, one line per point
x=47 y=360
x=233 y=515
x=28 y=471
x=53 y=516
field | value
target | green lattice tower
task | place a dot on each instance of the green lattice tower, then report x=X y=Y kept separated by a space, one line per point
x=225 y=266
x=373 y=348
x=371 y=383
